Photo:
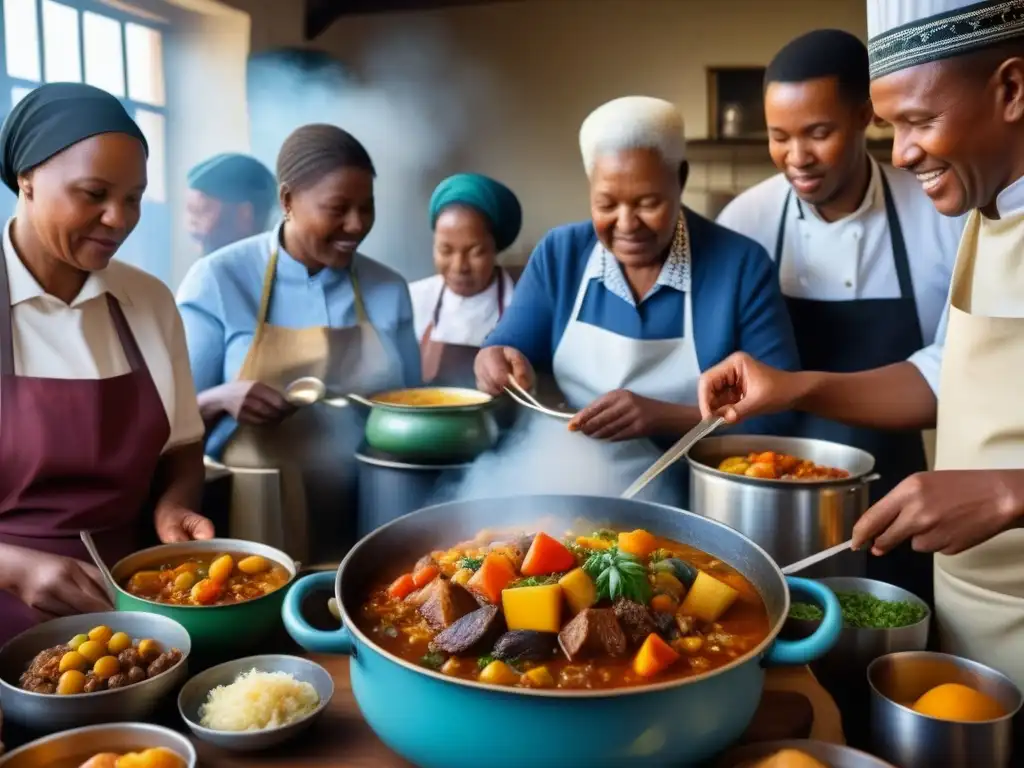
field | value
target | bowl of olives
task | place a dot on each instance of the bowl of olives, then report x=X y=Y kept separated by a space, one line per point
x=93 y=668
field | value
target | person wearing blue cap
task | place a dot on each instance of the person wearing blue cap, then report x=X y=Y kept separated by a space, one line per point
x=230 y=197
x=474 y=219
x=949 y=76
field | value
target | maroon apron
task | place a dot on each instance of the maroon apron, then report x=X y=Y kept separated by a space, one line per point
x=452 y=364
x=75 y=454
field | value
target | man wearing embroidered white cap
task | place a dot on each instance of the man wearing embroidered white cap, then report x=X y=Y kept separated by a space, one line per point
x=949 y=76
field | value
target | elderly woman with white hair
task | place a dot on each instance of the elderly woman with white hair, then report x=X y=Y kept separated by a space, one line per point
x=625 y=310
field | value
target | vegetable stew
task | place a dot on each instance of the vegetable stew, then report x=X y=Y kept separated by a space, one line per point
x=208 y=579
x=769 y=465
x=605 y=610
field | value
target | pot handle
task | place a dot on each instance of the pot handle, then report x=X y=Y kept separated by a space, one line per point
x=800 y=652
x=314 y=640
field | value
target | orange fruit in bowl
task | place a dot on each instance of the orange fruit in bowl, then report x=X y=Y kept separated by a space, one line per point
x=960 y=703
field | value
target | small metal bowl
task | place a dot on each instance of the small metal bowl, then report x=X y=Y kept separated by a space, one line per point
x=902 y=736
x=833 y=755
x=193 y=696
x=49 y=713
x=81 y=744
x=857 y=647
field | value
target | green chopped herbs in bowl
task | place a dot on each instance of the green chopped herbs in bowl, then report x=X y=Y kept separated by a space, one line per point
x=864 y=611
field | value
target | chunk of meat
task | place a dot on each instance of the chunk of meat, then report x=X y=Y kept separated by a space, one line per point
x=593 y=631
x=37 y=684
x=418 y=598
x=666 y=624
x=447 y=604
x=474 y=633
x=47 y=663
x=635 y=620
x=525 y=645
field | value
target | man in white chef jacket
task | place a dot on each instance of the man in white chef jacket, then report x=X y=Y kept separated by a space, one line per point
x=864 y=259
x=949 y=76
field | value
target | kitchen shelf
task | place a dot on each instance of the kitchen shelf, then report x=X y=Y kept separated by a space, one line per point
x=755 y=151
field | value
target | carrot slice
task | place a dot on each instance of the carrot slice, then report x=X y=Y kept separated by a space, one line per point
x=638 y=542
x=654 y=656
x=496 y=573
x=423 y=576
x=402 y=587
x=547 y=555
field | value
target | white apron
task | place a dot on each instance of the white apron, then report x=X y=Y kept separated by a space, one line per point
x=590 y=362
x=294 y=483
x=979 y=594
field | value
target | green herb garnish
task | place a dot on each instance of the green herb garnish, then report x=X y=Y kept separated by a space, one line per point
x=864 y=611
x=483 y=661
x=618 y=574
x=472 y=563
x=434 y=660
x=578 y=551
x=605 y=534
x=535 y=581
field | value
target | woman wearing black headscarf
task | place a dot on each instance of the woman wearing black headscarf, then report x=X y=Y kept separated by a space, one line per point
x=97 y=407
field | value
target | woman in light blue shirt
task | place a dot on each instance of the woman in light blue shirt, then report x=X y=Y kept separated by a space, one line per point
x=298 y=301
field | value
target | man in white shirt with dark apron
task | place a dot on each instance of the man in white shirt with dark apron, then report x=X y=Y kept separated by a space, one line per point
x=864 y=259
x=949 y=76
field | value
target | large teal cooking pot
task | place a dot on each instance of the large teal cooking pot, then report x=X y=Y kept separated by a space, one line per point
x=437 y=721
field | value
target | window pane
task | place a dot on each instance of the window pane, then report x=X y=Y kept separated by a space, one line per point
x=104 y=62
x=18 y=93
x=145 y=64
x=21 y=39
x=62 y=56
x=152 y=125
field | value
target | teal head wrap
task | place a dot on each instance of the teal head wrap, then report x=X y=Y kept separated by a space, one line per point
x=234 y=178
x=494 y=200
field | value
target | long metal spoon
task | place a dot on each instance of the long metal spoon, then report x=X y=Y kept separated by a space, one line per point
x=310 y=390
x=108 y=578
x=673 y=454
x=817 y=557
x=525 y=399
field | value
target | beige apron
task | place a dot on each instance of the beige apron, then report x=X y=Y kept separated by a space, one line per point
x=979 y=594
x=294 y=483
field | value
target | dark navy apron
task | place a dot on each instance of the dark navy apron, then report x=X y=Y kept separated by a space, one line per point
x=858 y=335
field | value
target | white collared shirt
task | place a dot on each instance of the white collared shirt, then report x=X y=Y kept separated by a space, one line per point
x=78 y=341
x=852 y=258
x=464 y=319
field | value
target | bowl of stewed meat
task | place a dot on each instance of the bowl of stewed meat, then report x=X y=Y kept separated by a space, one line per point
x=556 y=630
x=91 y=668
x=227 y=593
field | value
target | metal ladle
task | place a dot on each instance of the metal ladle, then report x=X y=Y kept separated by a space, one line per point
x=94 y=553
x=310 y=390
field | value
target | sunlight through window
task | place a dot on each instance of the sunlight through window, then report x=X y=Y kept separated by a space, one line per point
x=62 y=55
x=21 y=39
x=104 y=55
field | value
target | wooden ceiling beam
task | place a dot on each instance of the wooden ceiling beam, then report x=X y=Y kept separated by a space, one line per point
x=320 y=14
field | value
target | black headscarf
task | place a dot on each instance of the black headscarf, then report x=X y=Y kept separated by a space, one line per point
x=52 y=118
x=824 y=53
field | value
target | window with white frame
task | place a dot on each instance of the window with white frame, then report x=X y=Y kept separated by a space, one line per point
x=89 y=41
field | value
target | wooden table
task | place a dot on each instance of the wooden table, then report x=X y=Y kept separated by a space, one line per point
x=342 y=739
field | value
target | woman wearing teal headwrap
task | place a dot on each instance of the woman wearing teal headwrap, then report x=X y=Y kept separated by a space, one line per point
x=474 y=219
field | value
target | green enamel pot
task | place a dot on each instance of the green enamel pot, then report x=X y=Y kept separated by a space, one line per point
x=458 y=432
x=216 y=629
